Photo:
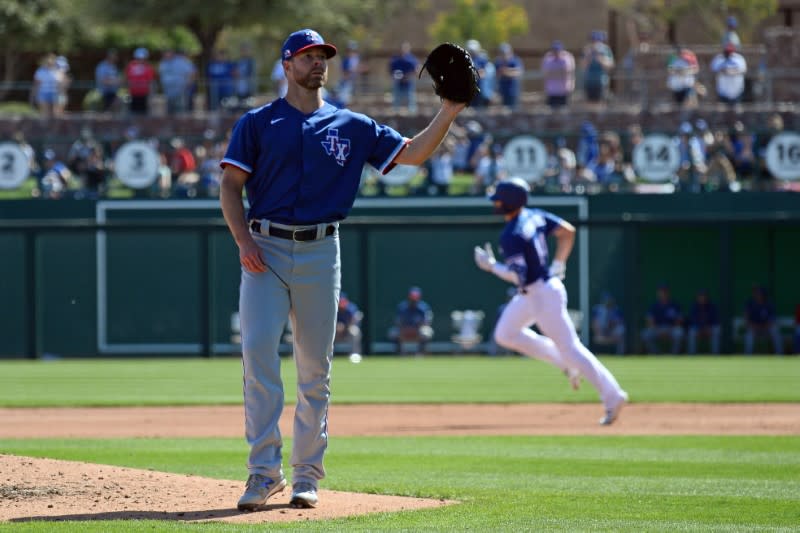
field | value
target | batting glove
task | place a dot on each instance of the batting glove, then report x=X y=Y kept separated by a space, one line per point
x=484 y=257
x=558 y=269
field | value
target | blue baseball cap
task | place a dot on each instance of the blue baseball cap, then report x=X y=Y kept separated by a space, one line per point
x=302 y=40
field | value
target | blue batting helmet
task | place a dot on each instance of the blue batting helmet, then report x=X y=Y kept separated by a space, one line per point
x=511 y=193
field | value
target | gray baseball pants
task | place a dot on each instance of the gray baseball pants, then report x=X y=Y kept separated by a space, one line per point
x=302 y=283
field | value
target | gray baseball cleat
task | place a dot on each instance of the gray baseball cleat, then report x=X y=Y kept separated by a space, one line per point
x=259 y=489
x=612 y=412
x=304 y=495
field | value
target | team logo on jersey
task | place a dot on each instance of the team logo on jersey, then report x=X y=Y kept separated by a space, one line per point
x=337 y=147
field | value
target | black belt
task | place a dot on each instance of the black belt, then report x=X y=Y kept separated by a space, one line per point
x=309 y=234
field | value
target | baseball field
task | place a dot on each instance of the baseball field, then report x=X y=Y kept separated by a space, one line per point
x=416 y=444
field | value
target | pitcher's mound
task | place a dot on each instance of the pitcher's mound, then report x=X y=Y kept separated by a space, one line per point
x=47 y=489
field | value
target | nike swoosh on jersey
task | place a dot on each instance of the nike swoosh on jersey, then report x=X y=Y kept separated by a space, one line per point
x=276 y=120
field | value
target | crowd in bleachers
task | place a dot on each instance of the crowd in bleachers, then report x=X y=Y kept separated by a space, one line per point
x=727 y=156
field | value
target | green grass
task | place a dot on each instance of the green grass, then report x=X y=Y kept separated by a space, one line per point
x=521 y=483
x=503 y=483
x=398 y=380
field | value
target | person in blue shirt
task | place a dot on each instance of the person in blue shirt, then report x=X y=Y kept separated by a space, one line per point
x=221 y=75
x=508 y=69
x=759 y=314
x=608 y=323
x=299 y=160
x=486 y=71
x=348 y=324
x=703 y=322
x=108 y=79
x=412 y=322
x=403 y=68
x=664 y=320
x=541 y=298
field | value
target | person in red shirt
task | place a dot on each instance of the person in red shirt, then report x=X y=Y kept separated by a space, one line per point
x=140 y=75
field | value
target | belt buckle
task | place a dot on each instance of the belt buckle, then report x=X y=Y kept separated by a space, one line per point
x=294 y=235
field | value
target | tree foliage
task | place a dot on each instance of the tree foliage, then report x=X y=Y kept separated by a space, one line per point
x=749 y=13
x=32 y=26
x=491 y=22
x=271 y=20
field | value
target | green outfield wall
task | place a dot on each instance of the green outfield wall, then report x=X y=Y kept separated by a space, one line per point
x=149 y=277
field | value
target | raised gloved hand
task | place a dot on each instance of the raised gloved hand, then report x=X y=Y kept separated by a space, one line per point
x=453 y=73
x=558 y=269
x=484 y=257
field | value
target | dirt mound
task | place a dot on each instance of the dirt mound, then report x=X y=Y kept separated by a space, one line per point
x=46 y=489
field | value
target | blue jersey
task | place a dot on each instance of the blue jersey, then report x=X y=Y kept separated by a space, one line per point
x=524 y=244
x=665 y=314
x=306 y=169
x=703 y=315
x=413 y=314
x=760 y=313
x=347 y=314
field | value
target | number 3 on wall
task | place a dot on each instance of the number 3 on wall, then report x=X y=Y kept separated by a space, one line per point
x=14 y=165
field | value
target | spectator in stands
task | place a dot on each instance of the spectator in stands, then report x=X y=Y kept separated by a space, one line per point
x=412 y=322
x=348 y=324
x=721 y=175
x=140 y=76
x=220 y=79
x=588 y=145
x=30 y=154
x=63 y=88
x=108 y=80
x=703 y=323
x=764 y=180
x=760 y=321
x=178 y=75
x=490 y=166
x=47 y=81
x=86 y=161
x=730 y=36
x=461 y=148
x=351 y=71
x=81 y=151
x=692 y=169
x=664 y=320
x=208 y=155
x=559 y=172
x=439 y=168
x=742 y=151
x=55 y=178
x=486 y=71
x=403 y=69
x=730 y=68
x=704 y=135
x=509 y=69
x=630 y=140
x=558 y=69
x=607 y=166
x=278 y=77
x=183 y=166
x=682 y=69
x=608 y=324
x=245 y=73
x=597 y=63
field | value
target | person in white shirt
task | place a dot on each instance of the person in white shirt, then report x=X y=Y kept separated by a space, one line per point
x=730 y=68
